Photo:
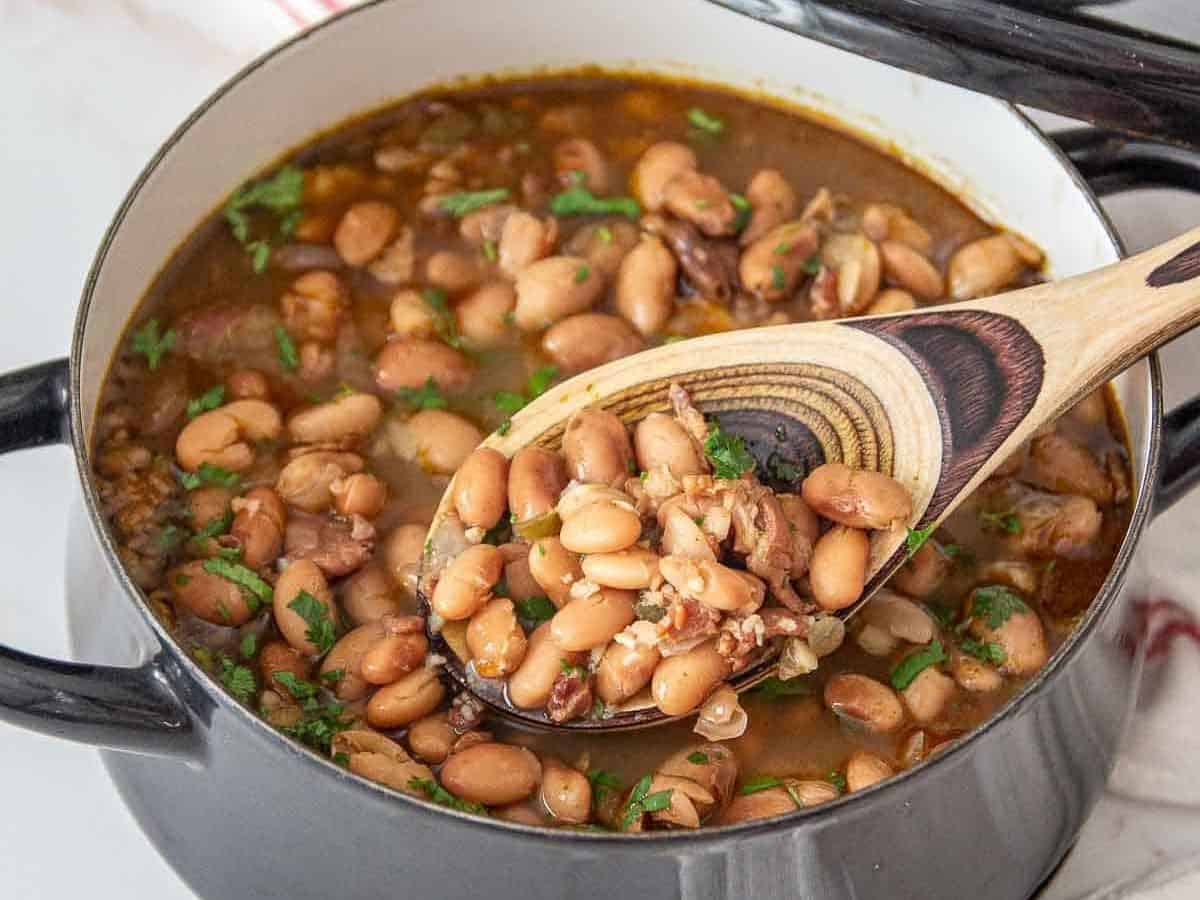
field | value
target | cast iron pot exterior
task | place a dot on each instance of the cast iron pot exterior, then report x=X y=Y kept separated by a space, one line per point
x=240 y=811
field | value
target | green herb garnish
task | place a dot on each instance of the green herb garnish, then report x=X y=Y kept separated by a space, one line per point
x=443 y=797
x=812 y=265
x=837 y=779
x=148 y=342
x=778 y=278
x=728 y=454
x=209 y=475
x=641 y=802
x=288 y=356
x=941 y=613
x=249 y=645
x=774 y=687
x=1001 y=521
x=504 y=427
x=916 y=539
x=321 y=631
x=603 y=783
x=443 y=317
x=169 y=537
x=281 y=195
x=605 y=234
x=425 y=397
x=704 y=121
x=463 y=202
x=215 y=527
x=579 y=201
x=569 y=668
x=995 y=604
x=238 y=680
x=759 y=783
x=744 y=212
x=582 y=273
x=321 y=722
x=489 y=251
x=535 y=610
x=512 y=402
x=256 y=591
x=210 y=399
x=333 y=676
x=697 y=758
x=916 y=663
x=985 y=651
x=509 y=401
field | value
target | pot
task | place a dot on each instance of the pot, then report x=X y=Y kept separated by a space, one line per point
x=241 y=811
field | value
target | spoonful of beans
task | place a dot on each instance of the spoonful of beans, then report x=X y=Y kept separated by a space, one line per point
x=632 y=511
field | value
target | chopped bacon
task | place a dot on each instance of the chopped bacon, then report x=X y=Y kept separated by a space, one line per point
x=571 y=695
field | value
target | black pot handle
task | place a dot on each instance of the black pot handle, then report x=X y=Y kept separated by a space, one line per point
x=1112 y=163
x=131 y=709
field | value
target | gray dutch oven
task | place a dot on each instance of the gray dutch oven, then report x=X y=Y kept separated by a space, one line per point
x=241 y=811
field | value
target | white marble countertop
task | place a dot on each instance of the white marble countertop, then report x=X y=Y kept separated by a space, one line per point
x=90 y=89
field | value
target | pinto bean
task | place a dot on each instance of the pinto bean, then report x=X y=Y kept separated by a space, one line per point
x=566 y=793
x=536 y=477
x=492 y=774
x=1021 y=637
x=601 y=528
x=395 y=265
x=989 y=264
x=275 y=657
x=882 y=221
x=483 y=315
x=579 y=496
x=865 y=769
x=307 y=481
x=596 y=447
x=346 y=418
x=633 y=569
x=554 y=288
x=530 y=685
x=480 y=488
x=453 y=272
x=713 y=584
x=346 y=657
x=380 y=759
x=402 y=551
x=771 y=266
x=899 y=617
x=623 y=671
x=656 y=168
x=368 y=595
x=911 y=270
x=604 y=245
x=1053 y=525
x=857 y=263
x=410 y=362
x=927 y=695
x=554 y=568
x=772 y=202
x=316 y=361
x=302 y=575
x=768 y=804
x=364 y=230
x=247 y=384
x=858 y=498
x=443 y=440
x=411 y=316
x=716 y=774
x=496 y=639
x=891 y=300
x=592 y=621
x=431 y=738
x=223 y=436
x=259 y=525
x=838 y=569
x=207 y=596
x=579 y=158
x=485 y=224
x=393 y=656
x=682 y=682
x=973 y=674
x=517 y=577
x=208 y=503
x=467 y=582
x=1059 y=464
x=413 y=697
x=587 y=340
x=864 y=702
x=645 y=288
x=360 y=494
x=314 y=305
x=525 y=240
x=702 y=200
x=924 y=572
x=659 y=440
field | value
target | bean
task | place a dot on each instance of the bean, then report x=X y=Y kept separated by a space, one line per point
x=899 y=617
x=924 y=572
x=1053 y=525
x=452 y=271
x=988 y=265
x=645 y=288
x=579 y=496
x=684 y=801
x=431 y=738
x=580 y=159
x=380 y=759
x=536 y=477
x=397 y=262
x=588 y=340
x=1021 y=637
x=520 y=813
x=597 y=449
x=483 y=315
x=364 y=230
x=601 y=528
x=883 y=221
x=247 y=384
x=275 y=657
x=346 y=657
x=713 y=584
x=258 y=526
x=411 y=362
x=485 y=224
x=525 y=240
x=302 y=575
x=410 y=316
x=554 y=568
x=974 y=675
x=772 y=202
x=682 y=682
x=592 y=621
x=857 y=263
x=566 y=792
x=517 y=577
x=208 y=503
x=633 y=569
x=316 y=361
x=209 y=597
x=368 y=595
x=891 y=300
x=496 y=639
x=394 y=656
x=221 y=437
x=865 y=702
x=775 y=801
x=656 y=168
x=345 y=419
x=604 y=244
x=480 y=488
x=927 y=695
x=838 y=569
x=710 y=765
x=314 y=305
x=307 y=481
x=681 y=536
x=911 y=270
x=659 y=440
x=414 y=696
x=554 y=288
x=402 y=552
x=859 y=498
x=1059 y=464
x=467 y=582
x=772 y=266
x=864 y=769
x=530 y=685
x=623 y=671
x=492 y=774
x=702 y=200
x=360 y=494
x=443 y=440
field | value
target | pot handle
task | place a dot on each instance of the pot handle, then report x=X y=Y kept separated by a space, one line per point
x=1112 y=163
x=132 y=709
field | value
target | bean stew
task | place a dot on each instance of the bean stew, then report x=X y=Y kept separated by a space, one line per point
x=318 y=360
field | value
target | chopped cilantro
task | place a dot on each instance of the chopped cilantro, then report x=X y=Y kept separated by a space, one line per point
x=569 y=668
x=489 y=251
x=986 y=651
x=256 y=590
x=603 y=783
x=321 y=631
x=697 y=758
x=535 y=610
x=443 y=797
x=916 y=539
x=649 y=612
x=759 y=783
x=504 y=427
x=744 y=212
x=169 y=537
x=233 y=554
x=512 y=402
x=837 y=779
x=463 y=202
x=288 y=356
x=217 y=525
x=812 y=265
x=425 y=397
x=321 y=723
x=778 y=278
x=509 y=401
x=281 y=195
x=210 y=399
x=916 y=663
x=941 y=613
x=249 y=645
x=641 y=802
x=1001 y=521
x=333 y=676
x=301 y=690
x=238 y=680
x=774 y=687
x=728 y=454
x=995 y=604
x=148 y=342
x=702 y=120
x=598 y=710
x=260 y=255
x=208 y=474
x=605 y=234
x=443 y=317
x=342 y=759
x=582 y=273
x=539 y=382
x=579 y=201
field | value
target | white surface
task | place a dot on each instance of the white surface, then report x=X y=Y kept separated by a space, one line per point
x=89 y=91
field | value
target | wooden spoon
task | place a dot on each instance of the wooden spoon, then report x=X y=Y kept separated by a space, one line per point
x=936 y=398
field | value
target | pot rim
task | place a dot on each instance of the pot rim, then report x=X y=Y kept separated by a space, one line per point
x=1038 y=685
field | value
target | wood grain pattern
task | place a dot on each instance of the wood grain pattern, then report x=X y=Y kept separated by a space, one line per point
x=1179 y=268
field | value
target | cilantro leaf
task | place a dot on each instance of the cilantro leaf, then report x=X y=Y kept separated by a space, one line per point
x=535 y=610
x=728 y=454
x=288 y=356
x=215 y=526
x=759 y=783
x=812 y=265
x=301 y=690
x=321 y=631
x=208 y=474
x=509 y=401
x=579 y=201
x=169 y=537
x=281 y=195
x=249 y=645
x=916 y=539
x=772 y=688
x=916 y=663
x=1000 y=521
x=837 y=779
x=210 y=399
x=603 y=784
x=697 y=758
x=988 y=652
x=702 y=120
x=256 y=591
x=148 y=342
x=426 y=397
x=443 y=797
x=657 y=801
x=995 y=604
x=238 y=680
x=463 y=202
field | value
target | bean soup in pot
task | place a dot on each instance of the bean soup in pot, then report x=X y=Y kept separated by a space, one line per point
x=319 y=359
